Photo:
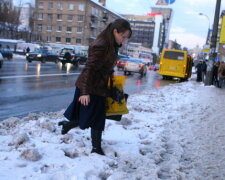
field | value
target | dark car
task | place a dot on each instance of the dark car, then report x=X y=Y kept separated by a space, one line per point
x=121 y=63
x=1 y=60
x=154 y=67
x=6 y=53
x=68 y=55
x=42 y=55
x=81 y=58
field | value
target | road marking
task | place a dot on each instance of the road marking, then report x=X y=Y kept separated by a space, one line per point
x=41 y=75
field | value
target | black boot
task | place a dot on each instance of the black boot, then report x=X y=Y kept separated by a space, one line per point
x=67 y=125
x=96 y=137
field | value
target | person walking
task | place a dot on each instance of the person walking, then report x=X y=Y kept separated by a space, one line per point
x=199 y=71
x=215 y=73
x=28 y=50
x=88 y=107
x=204 y=69
x=221 y=74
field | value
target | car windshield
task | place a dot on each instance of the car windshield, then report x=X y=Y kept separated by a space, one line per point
x=42 y=51
x=123 y=59
x=135 y=60
x=71 y=51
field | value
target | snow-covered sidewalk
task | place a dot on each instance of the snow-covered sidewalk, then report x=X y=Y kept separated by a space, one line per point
x=174 y=132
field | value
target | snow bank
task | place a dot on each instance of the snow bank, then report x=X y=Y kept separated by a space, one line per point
x=173 y=132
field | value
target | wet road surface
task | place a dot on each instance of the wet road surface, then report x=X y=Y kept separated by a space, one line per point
x=36 y=87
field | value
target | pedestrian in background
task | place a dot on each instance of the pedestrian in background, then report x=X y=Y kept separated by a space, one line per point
x=91 y=86
x=215 y=73
x=199 y=71
x=221 y=74
x=28 y=49
x=204 y=69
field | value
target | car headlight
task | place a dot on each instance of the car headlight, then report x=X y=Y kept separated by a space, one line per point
x=39 y=55
x=27 y=54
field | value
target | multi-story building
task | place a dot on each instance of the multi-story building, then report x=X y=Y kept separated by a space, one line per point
x=147 y=30
x=25 y=15
x=143 y=29
x=165 y=25
x=71 y=22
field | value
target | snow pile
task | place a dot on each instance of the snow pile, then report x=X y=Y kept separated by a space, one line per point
x=173 y=132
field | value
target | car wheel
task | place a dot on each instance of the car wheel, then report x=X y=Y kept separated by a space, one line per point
x=56 y=61
x=125 y=72
x=29 y=61
x=43 y=60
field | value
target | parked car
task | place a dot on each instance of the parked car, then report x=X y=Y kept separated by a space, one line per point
x=1 y=60
x=42 y=55
x=154 y=67
x=6 y=53
x=81 y=58
x=68 y=55
x=135 y=66
x=121 y=63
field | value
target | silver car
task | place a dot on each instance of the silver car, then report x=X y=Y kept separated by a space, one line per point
x=134 y=65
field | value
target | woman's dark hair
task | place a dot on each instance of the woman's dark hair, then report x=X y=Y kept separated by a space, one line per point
x=121 y=25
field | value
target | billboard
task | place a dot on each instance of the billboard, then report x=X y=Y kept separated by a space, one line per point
x=222 y=32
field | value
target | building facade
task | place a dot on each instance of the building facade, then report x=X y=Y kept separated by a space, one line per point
x=143 y=29
x=70 y=22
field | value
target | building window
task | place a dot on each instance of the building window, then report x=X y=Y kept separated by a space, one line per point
x=70 y=6
x=78 y=41
x=58 y=39
x=49 y=28
x=39 y=27
x=68 y=40
x=50 y=5
x=40 y=16
x=59 y=29
x=70 y=17
x=79 y=29
x=80 y=18
x=49 y=17
x=60 y=5
x=81 y=6
x=59 y=17
x=49 y=38
x=40 y=5
x=69 y=29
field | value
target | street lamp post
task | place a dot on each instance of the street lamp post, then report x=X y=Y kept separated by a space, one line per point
x=207 y=39
x=213 y=42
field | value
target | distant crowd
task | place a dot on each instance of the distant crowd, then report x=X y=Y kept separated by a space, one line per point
x=218 y=73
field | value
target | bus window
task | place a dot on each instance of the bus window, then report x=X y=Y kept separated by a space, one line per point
x=174 y=55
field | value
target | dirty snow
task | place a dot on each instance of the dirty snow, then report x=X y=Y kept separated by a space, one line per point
x=175 y=132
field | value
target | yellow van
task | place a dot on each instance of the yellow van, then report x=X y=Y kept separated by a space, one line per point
x=175 y=63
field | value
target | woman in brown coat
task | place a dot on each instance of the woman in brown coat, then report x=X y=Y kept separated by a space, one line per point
x=221 y=74
x=88 y=107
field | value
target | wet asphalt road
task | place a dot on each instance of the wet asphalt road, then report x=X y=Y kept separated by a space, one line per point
x=36 y=87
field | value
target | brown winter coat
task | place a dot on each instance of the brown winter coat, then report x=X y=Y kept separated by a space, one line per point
x=221 y=70
x=95 y=75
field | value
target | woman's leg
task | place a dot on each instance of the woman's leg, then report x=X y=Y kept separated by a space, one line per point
x=96 y=137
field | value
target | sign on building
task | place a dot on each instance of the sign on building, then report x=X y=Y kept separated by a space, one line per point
x=222 y=32
x=165 y=2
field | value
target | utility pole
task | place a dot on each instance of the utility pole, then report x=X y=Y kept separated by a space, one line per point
x=209 y=75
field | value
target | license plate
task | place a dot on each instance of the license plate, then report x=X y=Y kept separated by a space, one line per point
x=172 y=67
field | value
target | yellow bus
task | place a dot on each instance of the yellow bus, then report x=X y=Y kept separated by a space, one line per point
x=175 y=63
